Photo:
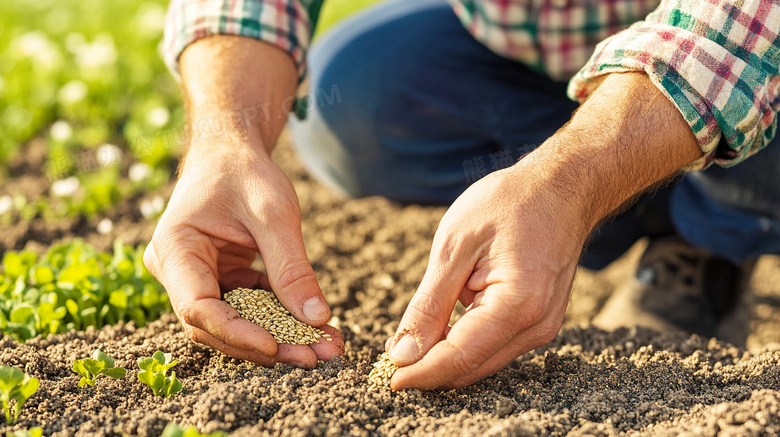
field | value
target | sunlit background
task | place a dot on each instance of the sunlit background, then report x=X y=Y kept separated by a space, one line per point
x=86 y=79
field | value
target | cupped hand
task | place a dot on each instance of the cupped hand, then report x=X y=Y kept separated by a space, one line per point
x=224 y=210
x=507 y=248
x=509 y=245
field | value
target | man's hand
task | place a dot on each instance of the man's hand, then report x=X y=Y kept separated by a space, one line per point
x=232 y=202
x=221 y=214
x=509 y=245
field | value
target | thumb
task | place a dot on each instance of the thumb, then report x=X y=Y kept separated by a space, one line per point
x=424 y=322
x=291 y=276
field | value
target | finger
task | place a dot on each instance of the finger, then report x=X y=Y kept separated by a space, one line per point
x=426 y=317
x=291 y=275
x=232 y=254
x=237 y=278
x=389 y=341
x=224 y=323
x=526 y=341
x=195 y=296
x=474 y=339
x=467 y=296
x=200 y=336
x=296 y=355
x=535 y=335
x=326 y=350
x=234 y=266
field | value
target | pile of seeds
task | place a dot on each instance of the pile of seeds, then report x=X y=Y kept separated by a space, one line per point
x=382 y=372
x=262 y=308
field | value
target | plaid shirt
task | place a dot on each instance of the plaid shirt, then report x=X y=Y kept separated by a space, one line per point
x=717 y=60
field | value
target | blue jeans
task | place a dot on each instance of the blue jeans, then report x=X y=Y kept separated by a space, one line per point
x=417 y=110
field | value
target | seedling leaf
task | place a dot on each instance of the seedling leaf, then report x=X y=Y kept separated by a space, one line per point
x=86 y=381
x=107 y=361
x=94 y=367
x=91 y=368
x=173 y=385
x=161 y=357
x=10 y=377
x=21 y=313
x=115 y=372
x=78 y=367
x=146 y=363
x=18 y=386
x=153 y=373
x=118 y=299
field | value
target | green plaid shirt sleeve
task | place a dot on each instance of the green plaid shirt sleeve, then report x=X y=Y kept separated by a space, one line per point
x=716 y=60
x=554 y=37
x=287 y=24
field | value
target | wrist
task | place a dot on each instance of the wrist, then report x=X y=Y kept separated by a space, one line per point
x=228 y=153
x=237 y=90
x=625 y=139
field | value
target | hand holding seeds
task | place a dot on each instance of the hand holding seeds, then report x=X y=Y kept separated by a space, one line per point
x=224 y=210
x=262 y=308
x=493 y=251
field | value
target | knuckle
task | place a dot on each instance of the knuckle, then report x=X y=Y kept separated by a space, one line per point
x=502 y=326
x=465 y=362
x=533 y=312
x=295 y=274
x=186 y=317
x=547 y=333
x=150 y=260
x=193 y=335
x=280 y=208
x=447 y=246
x=425 y=308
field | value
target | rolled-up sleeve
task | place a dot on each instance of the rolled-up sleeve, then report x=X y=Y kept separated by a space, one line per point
x=284 y=23
x=716 y=60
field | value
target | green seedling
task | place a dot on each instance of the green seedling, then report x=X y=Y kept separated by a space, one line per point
x=16 y=385
x=153 y=373
x=74 y=286
x=32 y=432
x=174 y=430
x=99 y=364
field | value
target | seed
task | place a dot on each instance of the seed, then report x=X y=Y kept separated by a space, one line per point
x=382 y=372
x=262 y=308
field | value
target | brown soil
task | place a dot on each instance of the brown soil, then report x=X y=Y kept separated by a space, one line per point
x=369 y=255
x=25 y=175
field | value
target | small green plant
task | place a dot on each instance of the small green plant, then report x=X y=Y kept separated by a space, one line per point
x=174 y=430
x=153 y=373
x=99 y=364
x=16 y=385
x=74 y=286
x=32 y=432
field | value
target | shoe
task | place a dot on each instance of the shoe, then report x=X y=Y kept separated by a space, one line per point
x=678 y=287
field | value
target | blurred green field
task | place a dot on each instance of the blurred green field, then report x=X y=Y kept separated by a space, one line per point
x=83 y=77
x=84 y=82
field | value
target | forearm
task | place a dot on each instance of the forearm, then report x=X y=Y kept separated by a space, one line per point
x=245 y=83
x=626 y=138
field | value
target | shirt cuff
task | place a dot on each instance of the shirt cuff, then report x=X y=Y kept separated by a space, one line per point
x=714 y=62
x=284 y=23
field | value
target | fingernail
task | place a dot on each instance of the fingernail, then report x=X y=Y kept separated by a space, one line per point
x=297 y=364
x=315 y=309
x=405 y=351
